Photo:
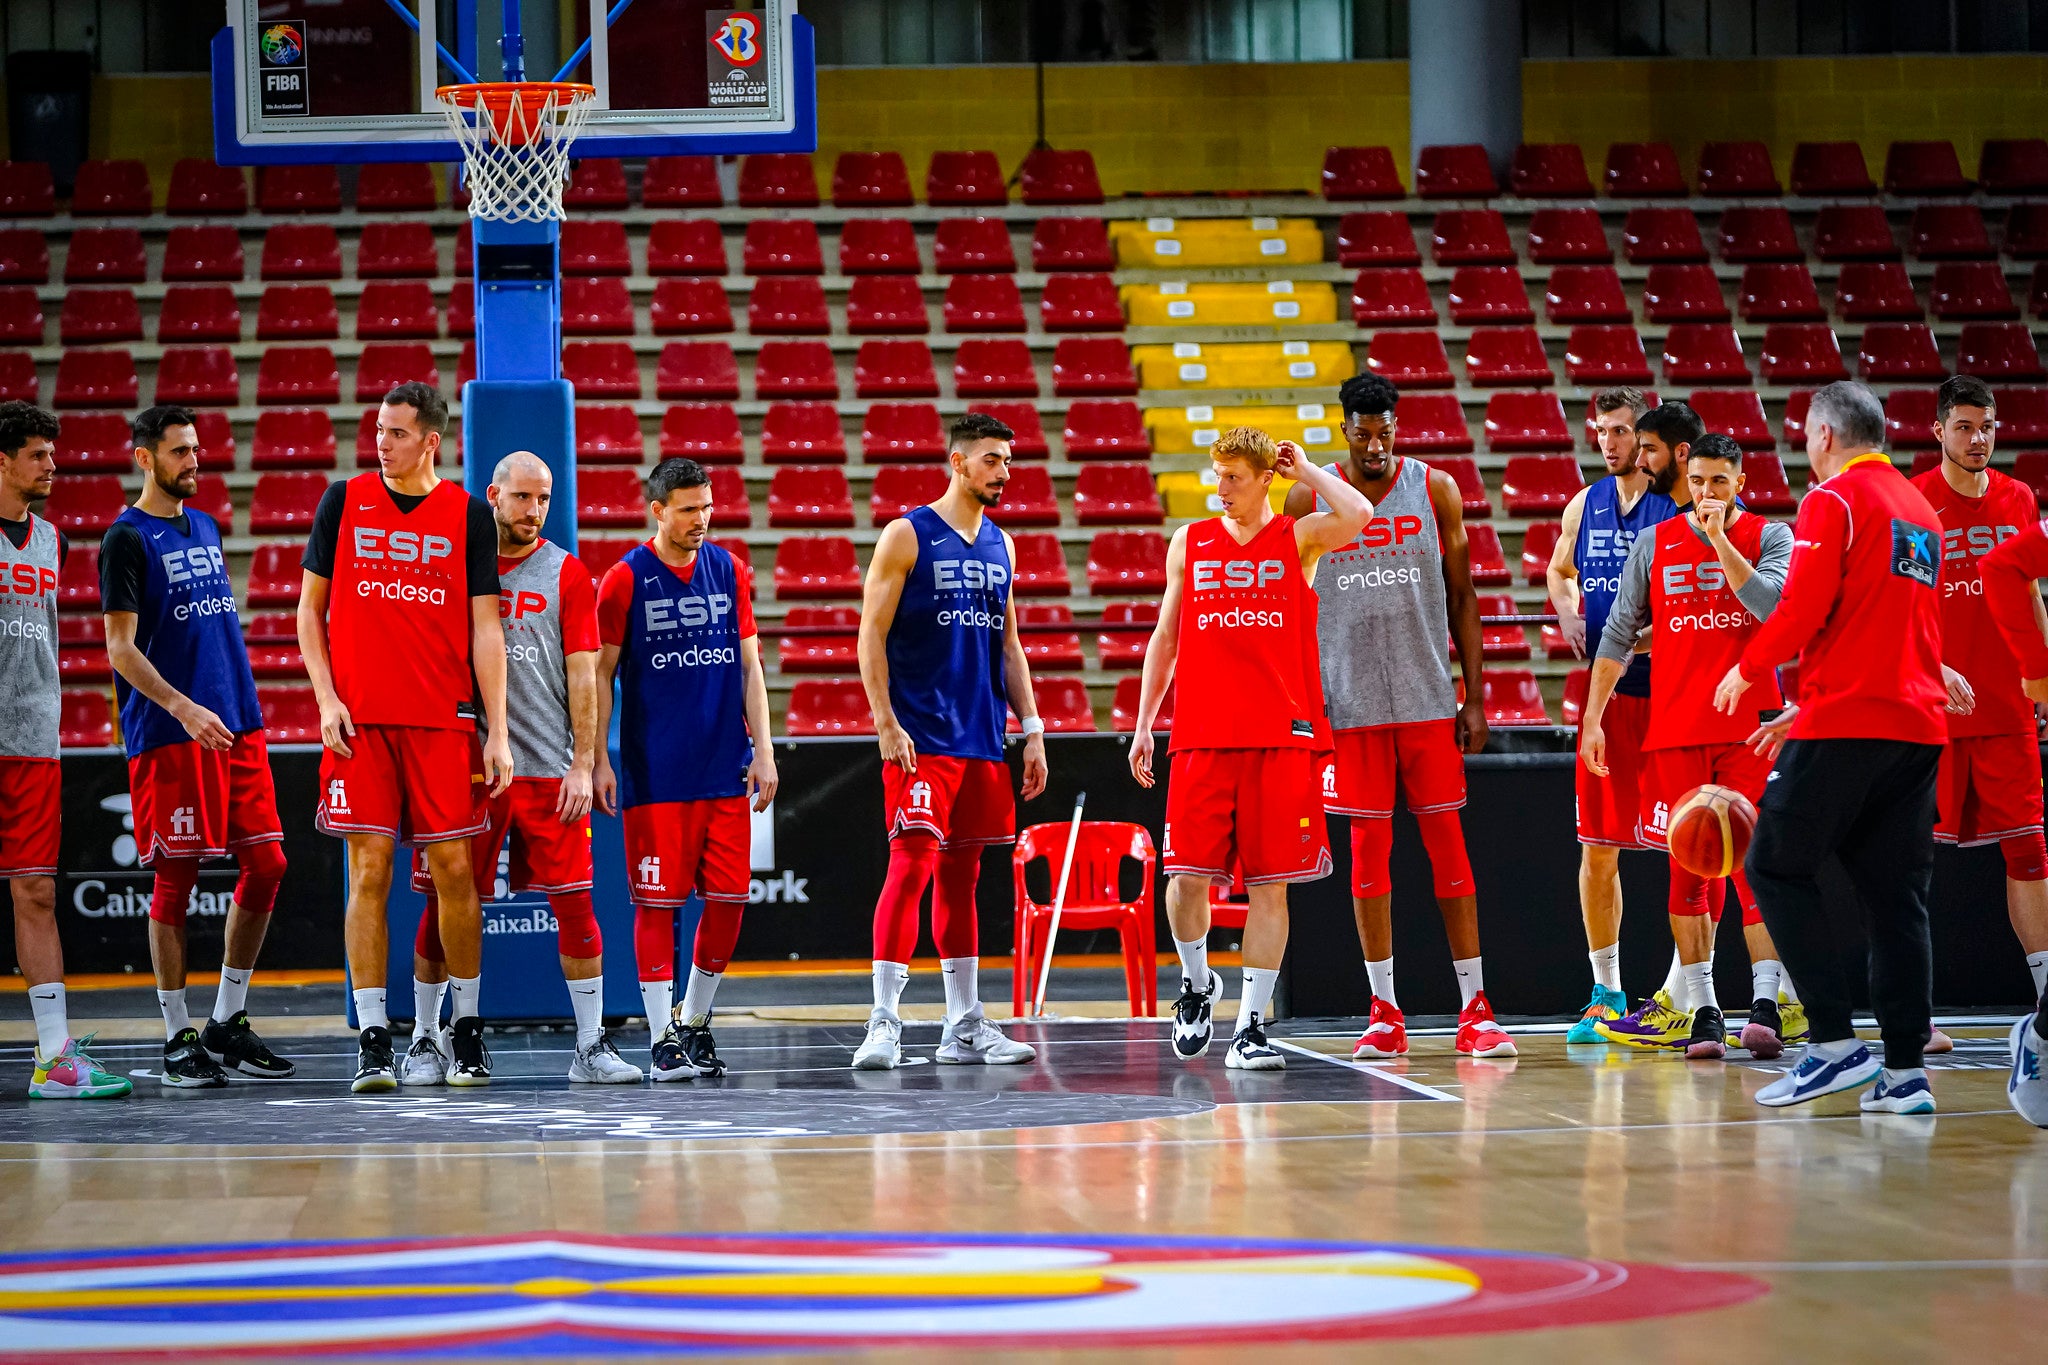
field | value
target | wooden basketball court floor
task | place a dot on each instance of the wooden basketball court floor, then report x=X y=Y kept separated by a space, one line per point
x=1108 y=1203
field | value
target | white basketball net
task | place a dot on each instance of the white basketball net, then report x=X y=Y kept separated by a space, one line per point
x=517 y=158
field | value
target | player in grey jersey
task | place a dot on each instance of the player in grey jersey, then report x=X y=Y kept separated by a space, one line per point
x=549 y=611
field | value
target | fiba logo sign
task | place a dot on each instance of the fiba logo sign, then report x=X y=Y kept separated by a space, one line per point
x=738 y=39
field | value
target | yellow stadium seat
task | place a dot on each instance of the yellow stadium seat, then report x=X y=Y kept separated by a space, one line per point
x=1315 y=427
x=1168 y=244
x=1194 y=494
x=1178 y=304
x=1244 y=365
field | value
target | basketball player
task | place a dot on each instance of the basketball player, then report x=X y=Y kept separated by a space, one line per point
x=31 y=556
x=1700 y=584
x=198 y=763
x=398 y=623
x=1385 y=604
x=939 y=656
x=675 y=620
x=1238 y=623
x=1601 y=522
x=549 y=615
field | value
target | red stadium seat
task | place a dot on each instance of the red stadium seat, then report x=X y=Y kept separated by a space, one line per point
x=963 y=179
x=892 y=433
x=795 y=369
x=1703 y=353
x=1028 y=499
x=1048 y=652
x=802 y=433
x=95 y=316
x=1092 y=366
x=703 y=370
x=870 y=180
x=1764 y=487
x=1601 y=354
x=85 y=719
x=1824 y=169
x=809 y=496
x=1683 y=293
x=1410 y=359
x=85 y=504
x=2037 y=291
x=1386 y=297
x=397 y=310
x=1361 y=173
x=2005 y=166
x=988 y=367
x=1662 y=234
x=1459 y=171
x=982 y=303
x=595 y=246
x=277 y=662
x=685 y=246
x=894 y=369
x=966 y=246
x=1800 y=353
x=1796 y=404
x=1758 y=232
x=600 y=553
x=1376 y=239
x=782 y=246
x=195 y=253
x=1499 y=356
x=1125 y=649
x=205 y=376
x=778 y=180
x=890 y=304
x=21 y=316
x=609 y=433
x=462 y=309
x=298 y=189
x=1471 y=487
x=383 y=366
x=24 y=256
x=1853 y=232
x=82 y=650
x=1584 y=293
x=1896 y=352
x=216 y=438
x=78 y=581
x=1470 y=237
x=1738 y=168
x=596 y=307
x=192 y=313
x=1949 y=232
x=274 y=576
x=1970 y=290
x=1080 y=303
x=1511 y=698
x=1127 y=563
x=296 y=312
x=1041 y=568
x=1116 y=494
x=1064 y=707
x=1871 y=291
x=1124 y=709
x=817 y=567
x=1568 y=237
x=18 y=379
x=827 y=706
x=610 y=497
x=293 y=438
x=1643 y=170
x=96 y=442
x=1909 y=419
x=1778 y=292
x=788 y=305
x=1483 y=294
x=112 y=189
x=2026 y=232
x=2002 y=352
x=1539 y=485
x=708 y=433
x=395 y=187
x=1917 y=168
x=1576 y=682
x=596 y=183
x=1105 y=429
x=1071 y=244
x=676 y=182
x=601 y=369
x=875 y=246
x=822 y=653
x=1736 y=412
x=112 y=255
x=2023 y=415
x=900 y=487
x=1434 y=423
x=1489 y=566
x=1505 y=643
x=1059 y=177
x=301 y=251
x=687 y=306
x=1526 y=421
x=2030 y=467
x=1549 y=170
x=201 y=188
x=1022 y=418
x=283 y=503
x=272 y=628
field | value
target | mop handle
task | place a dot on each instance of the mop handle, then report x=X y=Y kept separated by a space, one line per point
x=1059 y=901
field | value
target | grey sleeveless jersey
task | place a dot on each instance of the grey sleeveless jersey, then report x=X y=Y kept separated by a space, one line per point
x=536 y=676
x=30 y=698
x=1384 y=629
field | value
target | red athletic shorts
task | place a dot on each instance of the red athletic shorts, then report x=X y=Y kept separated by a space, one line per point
x=1989 y=789
x=31 y=816
x=676 y=847
x=1423 y=754
x=961 y=800
x=1669 y=774
x=194 y=802
x=1255 y=810
x=1611 y=806
x=404 y=781
x=547 y=856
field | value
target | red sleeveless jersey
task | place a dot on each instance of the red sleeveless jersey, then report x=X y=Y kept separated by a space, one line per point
x=398 y=611
x=1247 y=673
x=1698 y=629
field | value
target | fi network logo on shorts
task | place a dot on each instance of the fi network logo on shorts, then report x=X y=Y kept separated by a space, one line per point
x=337 y=796
x=648 y=869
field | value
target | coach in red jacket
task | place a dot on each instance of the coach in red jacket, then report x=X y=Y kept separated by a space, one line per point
x=1861 y=612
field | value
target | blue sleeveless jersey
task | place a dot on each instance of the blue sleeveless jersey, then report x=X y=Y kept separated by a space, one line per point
x=189 y=632
x=946 y=644
x=1605 y=535
x=682 y=723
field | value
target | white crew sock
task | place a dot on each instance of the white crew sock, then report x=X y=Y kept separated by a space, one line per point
x=176 y=1018
x=2037 y=963
x=1381 y=974
x=586 y=998
x=53 y=1028
x=1257 y=996
x=1674 y=982
x=426 y=1007
x=370 y=1008
x=658 y=1002
x=698 y=995
x=1699 y=987
x=962 y=976
x=890 y=979
x=233 y=995
x=466 y=990
x=1194 y=961
x=1763 y=979
x=1786 y=994
x=1607 y=966
x=1471 y=978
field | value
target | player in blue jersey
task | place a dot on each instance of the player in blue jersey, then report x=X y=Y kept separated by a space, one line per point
x=940 y=657
x=198 y=767
x=675 y=622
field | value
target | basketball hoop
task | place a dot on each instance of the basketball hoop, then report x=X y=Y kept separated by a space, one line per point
x=515 y=139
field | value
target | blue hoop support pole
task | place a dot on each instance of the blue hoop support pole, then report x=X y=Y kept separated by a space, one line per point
x=448 y=58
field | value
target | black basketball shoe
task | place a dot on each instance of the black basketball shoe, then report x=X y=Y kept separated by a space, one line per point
x=472 y=1064
x=375 y=1072
x=186 y=1065
x=1709 y=1040
x=698 y=1047
x=235 y=1046
x=1193 y=1021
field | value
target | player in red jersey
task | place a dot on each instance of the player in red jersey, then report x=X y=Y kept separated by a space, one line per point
x=398 y=624
x=1238 y=623
x=1989 y=788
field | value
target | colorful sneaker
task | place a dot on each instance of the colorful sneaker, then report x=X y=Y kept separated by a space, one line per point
x=1910 y=1096
x=1816 y=1076
x=1605 y=1005
x=1249 y=1050
x=1386 y=1033
x=1655 y=1025
x=187 y=1067
x=236 y=1047
x=1939 y=1042
x=73 y=1075
x=1795 y=1033
x=2026 y=1086
x=1478 y=1034
x=1763 y=1036
x=1708 y=1041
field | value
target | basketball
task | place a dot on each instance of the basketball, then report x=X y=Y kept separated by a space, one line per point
x=1709 y=830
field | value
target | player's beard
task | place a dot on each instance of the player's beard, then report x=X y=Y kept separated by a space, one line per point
x=174 y=487
x=989 y=497
x=1665 y=479
x=518 y=532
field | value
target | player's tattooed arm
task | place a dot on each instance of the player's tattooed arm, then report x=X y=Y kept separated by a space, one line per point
x=1161 y=651
x=604 y=783
x=894 y=557
x=336 y=726
x=1561 y=576
x=1017 y=689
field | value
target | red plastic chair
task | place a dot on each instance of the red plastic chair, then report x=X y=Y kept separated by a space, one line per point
x=895 y=369
x=595 y=246
x=1087 y=367
x=967 y=246
x=97 y=442
x=85 y=379
x=1853 y=232
x=194 y=313
x=1059 y=177
x=674 y=182
x=1703 y=353
x=1584 y=293
x=85 y=504
x=1526 y=422
x=788 y=305
x=85 y=719
x=1410 y=359
x=706 y=432
x=1127 y=563
x=1028 y=499
x=1498 y=643
x=91 y=316
x=1683 y=293
x=802 y=433
x=1489 y=565
x=1390 y=297
x=1737 y=412
x=25 y=256
x=1511 y=698
x=821 y=653
x=2002 y=352
x=293 y=438
x=895 y=432
x=283 y=503
x=1489 y=294
x=874 y=246
x=396 y=310
x=2004 y=166
x=1499 y=356
x=1124 y=707
x=686 y=246
x=870 y=180
x=1029 y=442
x=205 y=376
x=1060 y=653
x=1764 y=486
x=1916 y=168
x=194 y=252
x=1909 y=419
x=1360 y=173
x=2023 y=415
x=1738 y=168
x=991 y=367
x=688 y=306
x=1382 y=238
x=609 y=433
x=1549 y=170
x=782 y=246
x=816 y=567
x=705 y=370
x=1080 y=303
x=1124 y=650
x=1434 y=424
x=597 y=183
x=1456 y=171
x=1758 y=232
x=111 y=255
x=778 y=180
x=201 y=188
x=1471 y=487
x=795 y=369
x=959 y=179
x=1821 y=169
x=1094 y=901
x=1539 y=485
x=395 y=187
x=1800 y=353
x=296 y=312
x=1903 y=352
x=809 y=496
x=2030 y=467
x=1643 y=170
x=900 y=487
x=610 y=497
x=828 y=706
x=1041 y=568
x=301 y=251
x=1970 y=291
x=1661 y=234
x=383 y=366
x=1116 y=494
x=1778 y=292
x=983 y=303
x=298 y=189
x=892 y=305
x=1071 y=244
x=1949 y=232
x=601 y=369
x=1470 y=237
x=1568 y=237
x=1875 y=291
x=1105 y=430
x=111 y=189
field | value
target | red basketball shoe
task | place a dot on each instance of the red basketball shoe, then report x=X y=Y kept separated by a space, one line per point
x=1478 y=1034
x=1386 y=1033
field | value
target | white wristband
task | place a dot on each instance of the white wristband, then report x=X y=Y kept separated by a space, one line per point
x=1033 y=725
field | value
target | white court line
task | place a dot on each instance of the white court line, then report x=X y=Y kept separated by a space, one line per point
x=1839 y=1267
x=1396 y=1077
x=1862 y=1022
